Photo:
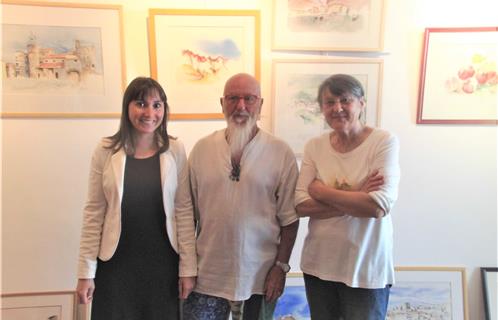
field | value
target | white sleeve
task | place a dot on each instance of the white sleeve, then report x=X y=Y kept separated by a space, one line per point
x=93 y=216
x=387 y=162
x=307 y=174
x=286 y=210
x=184 y=217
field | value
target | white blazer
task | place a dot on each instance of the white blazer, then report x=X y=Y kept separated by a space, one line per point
x=102 y=213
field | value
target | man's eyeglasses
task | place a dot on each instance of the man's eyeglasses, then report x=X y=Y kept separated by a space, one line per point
x=343 y=101
x=249 y=99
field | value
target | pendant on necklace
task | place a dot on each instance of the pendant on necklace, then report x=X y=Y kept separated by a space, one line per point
x=235 y=174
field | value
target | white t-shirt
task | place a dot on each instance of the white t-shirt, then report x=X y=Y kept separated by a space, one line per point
x=355 y=251
x=239 y=221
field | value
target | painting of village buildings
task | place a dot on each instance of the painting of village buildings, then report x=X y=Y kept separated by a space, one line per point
x=327 y=15
x=52 y=60
x=419 y=300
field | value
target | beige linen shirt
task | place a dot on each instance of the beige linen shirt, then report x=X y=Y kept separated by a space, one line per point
x=239 y=221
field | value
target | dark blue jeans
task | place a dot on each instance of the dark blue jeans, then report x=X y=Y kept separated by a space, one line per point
x=329 y=300
x=200 y=306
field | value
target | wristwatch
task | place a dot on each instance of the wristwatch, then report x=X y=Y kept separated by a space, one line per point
x=284 y=266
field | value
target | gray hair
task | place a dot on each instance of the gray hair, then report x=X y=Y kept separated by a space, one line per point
x=339 y=84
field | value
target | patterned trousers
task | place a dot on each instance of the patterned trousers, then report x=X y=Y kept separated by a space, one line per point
x=200 y=306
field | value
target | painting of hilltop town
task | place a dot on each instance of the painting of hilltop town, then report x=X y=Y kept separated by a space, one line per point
x=350 y=25
x=413 y=300
x=51 y=60
x=428 y=293
x=323 y=15
x=61 y=60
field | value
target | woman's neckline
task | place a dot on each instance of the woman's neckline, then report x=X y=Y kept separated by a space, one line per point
x=134 y=157
x=338 y=145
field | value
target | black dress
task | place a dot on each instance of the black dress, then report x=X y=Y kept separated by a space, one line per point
x=140 y=281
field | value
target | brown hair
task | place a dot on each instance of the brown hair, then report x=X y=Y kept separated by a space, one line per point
x=139 y=89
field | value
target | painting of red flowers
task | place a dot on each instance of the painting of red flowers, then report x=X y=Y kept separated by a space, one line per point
x=459 y=76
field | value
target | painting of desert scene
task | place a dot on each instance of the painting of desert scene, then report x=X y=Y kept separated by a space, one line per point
x=208 y=60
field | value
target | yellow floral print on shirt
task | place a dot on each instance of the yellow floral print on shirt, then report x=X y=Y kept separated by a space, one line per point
x=343 y=185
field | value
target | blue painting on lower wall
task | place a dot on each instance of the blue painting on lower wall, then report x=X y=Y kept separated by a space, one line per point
x=292 y=305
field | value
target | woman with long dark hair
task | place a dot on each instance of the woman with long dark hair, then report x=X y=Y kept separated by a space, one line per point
x=137 y=252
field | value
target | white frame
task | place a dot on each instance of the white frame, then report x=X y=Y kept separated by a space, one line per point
x=24 y=304
x=291 y=127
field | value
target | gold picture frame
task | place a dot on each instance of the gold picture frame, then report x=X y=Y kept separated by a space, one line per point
x=193 y=52
x=55 y=305
x=444 y=289
x=62 y=60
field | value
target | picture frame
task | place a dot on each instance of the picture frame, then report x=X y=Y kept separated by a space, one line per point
x=293 y=302
x=432 y=291
x=204 y=48
x=328 y=25
x=296 y=113
x=489 y=277
x=458 y=76
x=57 y=305
x=62 y=60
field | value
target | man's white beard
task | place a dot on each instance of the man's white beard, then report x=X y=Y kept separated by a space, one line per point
x=239 y=135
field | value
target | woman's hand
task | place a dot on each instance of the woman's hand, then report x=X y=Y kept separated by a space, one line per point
x=85 y=290
x=372 y=183
x=185 y=286
x=314 y=189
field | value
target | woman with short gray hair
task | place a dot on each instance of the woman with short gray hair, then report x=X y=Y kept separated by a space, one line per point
x=347 y=187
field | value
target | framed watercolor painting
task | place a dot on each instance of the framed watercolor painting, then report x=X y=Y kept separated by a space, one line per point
x=428 y=292
x=41 y=305
x=193 y=53
x=296 y=113
x=62 y=60
x=489 y=278
x=459 y=76
x=293 y=303
x=354 y=25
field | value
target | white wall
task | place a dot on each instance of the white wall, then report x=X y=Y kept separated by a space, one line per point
x=446 y=214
